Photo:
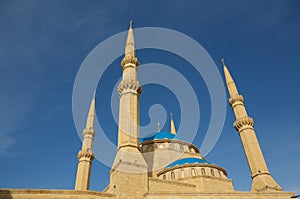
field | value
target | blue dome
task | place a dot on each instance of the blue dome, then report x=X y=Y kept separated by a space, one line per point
x=187 y=161
x=161 y=136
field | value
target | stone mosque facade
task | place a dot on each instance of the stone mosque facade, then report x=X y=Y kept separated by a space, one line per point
x=142 y=167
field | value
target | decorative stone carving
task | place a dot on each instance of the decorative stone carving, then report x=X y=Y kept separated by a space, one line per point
x=243 y=123
x=129 y=86
x=85 y=154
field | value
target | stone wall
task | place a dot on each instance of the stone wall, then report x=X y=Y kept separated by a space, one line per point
x=167 y=186
x=210 y=184
x=51 y=194
x=158 y=191
x=234 y=195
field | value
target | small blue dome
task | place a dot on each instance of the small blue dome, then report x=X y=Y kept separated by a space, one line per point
x=187 y=161
x=161 y=136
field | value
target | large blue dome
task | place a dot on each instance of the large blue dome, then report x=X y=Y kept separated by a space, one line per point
x=187 y=161
x=161 y=136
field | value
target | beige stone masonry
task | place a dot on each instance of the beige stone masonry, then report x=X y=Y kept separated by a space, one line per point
x=51 y=194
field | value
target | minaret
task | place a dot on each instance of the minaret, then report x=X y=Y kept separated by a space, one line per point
x=129 y=90
x=129 y=171
x=173 y=129
x=261 y=178
x=85 y=155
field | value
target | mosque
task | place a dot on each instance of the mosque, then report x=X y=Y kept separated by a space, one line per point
x=142 y=167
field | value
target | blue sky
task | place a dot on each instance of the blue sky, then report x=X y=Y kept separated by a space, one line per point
x=43 y=43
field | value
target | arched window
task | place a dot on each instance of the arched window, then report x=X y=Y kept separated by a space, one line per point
x=172 y=175
x=182 y=173
x=193 y=172
x=164 y=177
x=150 y=148
x=181 y=148
x=203 y=171
x=220 y=174
x=171 y=146
x=212 y=172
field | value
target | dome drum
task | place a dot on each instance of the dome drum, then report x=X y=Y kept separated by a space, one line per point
x=192 y=170
x=166 y=140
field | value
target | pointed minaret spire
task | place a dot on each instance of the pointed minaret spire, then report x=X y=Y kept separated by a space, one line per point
x=173 y=129
x=261 y=177
x=229 y=81
x=86 y=155
x=130 y=46
x=91 y=115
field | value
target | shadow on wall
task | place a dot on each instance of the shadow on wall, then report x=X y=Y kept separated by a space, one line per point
x=5 y=194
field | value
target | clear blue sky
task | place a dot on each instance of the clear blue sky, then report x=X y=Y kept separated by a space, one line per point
x=43 y=43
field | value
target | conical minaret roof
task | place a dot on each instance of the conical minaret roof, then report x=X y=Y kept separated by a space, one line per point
x=130 y=46
x=173 y=128
x=130 y=57
x=229 y=81
x=91 y=115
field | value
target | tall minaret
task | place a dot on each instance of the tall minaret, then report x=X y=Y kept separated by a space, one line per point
x=261 y=178
x=85 y=155
x=129 y=90
x=129 y=171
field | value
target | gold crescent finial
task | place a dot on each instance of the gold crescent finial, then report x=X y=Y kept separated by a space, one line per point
x=171 y=116
x=130 y=25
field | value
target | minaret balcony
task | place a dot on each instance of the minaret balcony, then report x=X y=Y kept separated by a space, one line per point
x=85 y=154
x=90 y=132
x=236 y=100
x=129 y=60
x=129 y=86
x=244 y=123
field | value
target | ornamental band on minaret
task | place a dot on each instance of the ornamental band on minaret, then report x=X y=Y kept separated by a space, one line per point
x=86 y=155
x=261 y=178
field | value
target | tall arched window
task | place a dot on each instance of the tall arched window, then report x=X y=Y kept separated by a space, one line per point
x=164 y=177
x=212 y=172
x=181 y=148
x=182 y=173
x=171 y=146
x=220 y=174
x=193 y=172
x=203 y=171
x=150 y=148
x=172 y=175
